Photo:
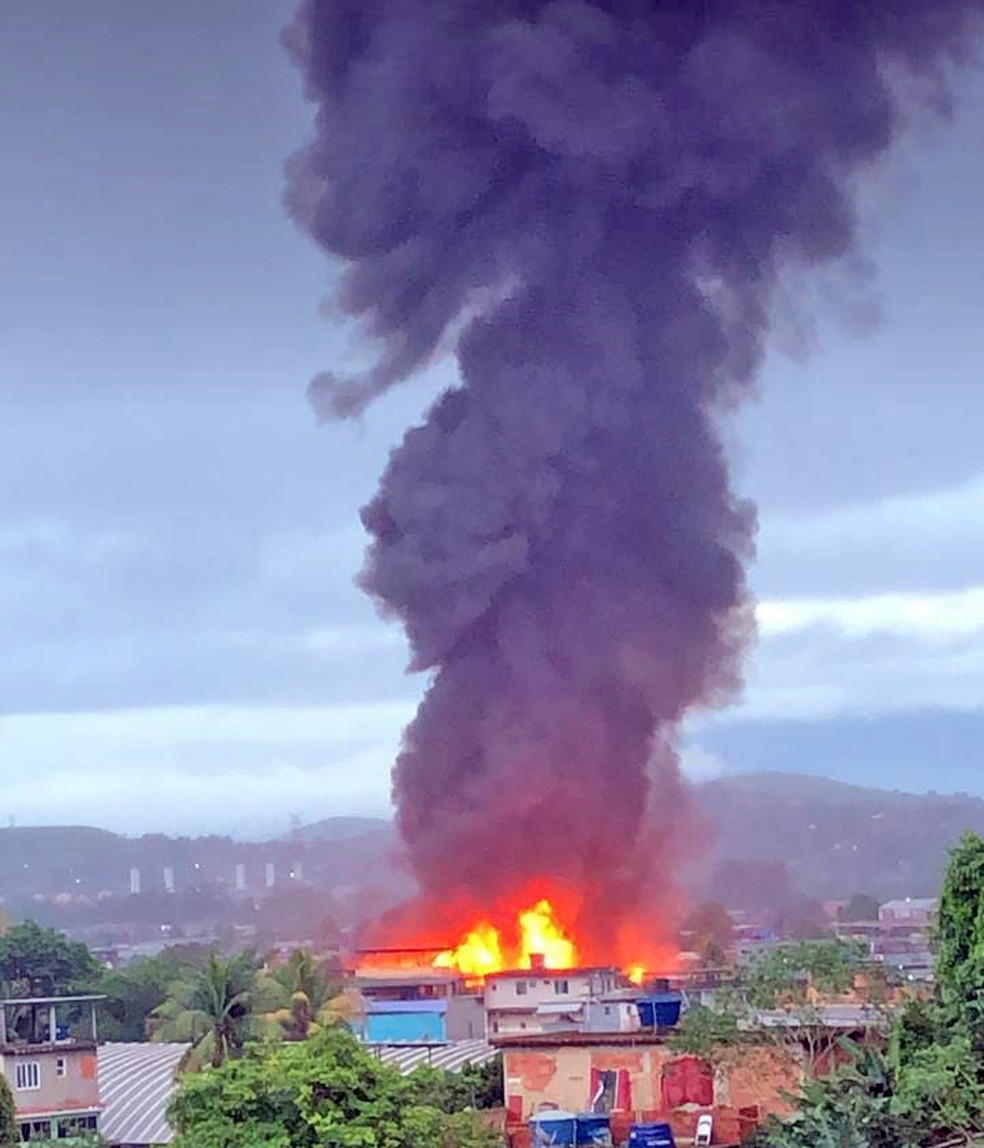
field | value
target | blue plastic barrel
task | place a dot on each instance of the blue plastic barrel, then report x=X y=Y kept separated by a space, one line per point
x=594 y=1128
x=651 y=1136
x=554 y=1128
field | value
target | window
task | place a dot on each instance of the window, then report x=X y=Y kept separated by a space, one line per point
x=562 y=988
x=71 y=1126
x=36 y=1130
x=61 y=1067
x=28 y=1075
x=521 y=988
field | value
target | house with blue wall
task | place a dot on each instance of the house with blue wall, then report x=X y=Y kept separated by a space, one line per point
x=405 y=1022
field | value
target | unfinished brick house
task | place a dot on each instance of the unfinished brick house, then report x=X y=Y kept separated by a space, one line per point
x=638 y=1076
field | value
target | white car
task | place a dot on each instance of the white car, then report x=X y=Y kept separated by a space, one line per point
x=705 y=1129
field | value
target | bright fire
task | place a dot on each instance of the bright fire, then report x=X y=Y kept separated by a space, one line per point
x=540 y=935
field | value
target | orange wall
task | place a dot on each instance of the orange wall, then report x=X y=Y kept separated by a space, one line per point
x=561 y=1076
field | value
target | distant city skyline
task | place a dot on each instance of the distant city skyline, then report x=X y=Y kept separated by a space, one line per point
x=178 y=539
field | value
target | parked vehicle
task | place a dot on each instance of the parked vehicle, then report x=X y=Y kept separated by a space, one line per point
x=705 y=1129
x=651 y=1136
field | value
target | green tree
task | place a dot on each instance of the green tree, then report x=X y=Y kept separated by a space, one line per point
x=938 y=1092
x=705 y=1031
x=475 y=1086
x=927 y=1087
x=849 y=1108
x=778 y=997
x=135 y=992
x=324 y=1091
x=214 y=1008
x=790 y=975
x=299 y=995
x=960 y=937
x=9 y=1134
x=44 y=962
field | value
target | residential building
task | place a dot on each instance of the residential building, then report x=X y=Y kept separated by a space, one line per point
x=48 y=1057
x=637 y=1076
x=908 y=913
x=417 y=1006
x=540 y=1000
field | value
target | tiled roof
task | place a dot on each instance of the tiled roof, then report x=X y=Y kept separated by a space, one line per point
x=453 y=1057
x=136 y=1082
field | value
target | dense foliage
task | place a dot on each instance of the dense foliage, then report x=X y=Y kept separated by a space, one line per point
x=43 y=962
x=300 y=997
x=135 y=992
x=785 y=977
x=9 y=1134
x=926 y=1086
x=215 y=1008
x=327 y=1090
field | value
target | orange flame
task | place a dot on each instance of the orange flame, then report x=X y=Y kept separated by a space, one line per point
x=479 y=954
x=636 y=974
x=540 y=935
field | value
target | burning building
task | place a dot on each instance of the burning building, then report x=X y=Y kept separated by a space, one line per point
x=594 y=206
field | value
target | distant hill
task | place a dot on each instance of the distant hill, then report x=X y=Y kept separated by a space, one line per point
x=837 y=839
x=832 y=839
x=341 y=829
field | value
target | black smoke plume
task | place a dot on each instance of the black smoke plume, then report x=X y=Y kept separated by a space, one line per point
x=593 y=203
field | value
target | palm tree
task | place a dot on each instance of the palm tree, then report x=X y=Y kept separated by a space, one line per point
x=301 y=992
x=213 y=1008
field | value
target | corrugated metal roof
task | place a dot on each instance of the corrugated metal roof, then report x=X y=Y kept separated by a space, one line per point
x=136 y=1082
x=451 y=1057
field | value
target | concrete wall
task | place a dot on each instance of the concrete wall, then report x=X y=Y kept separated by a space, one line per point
x=78 y=1088
x=466 y=1018
x=528 y=991
x=564 y=1075
x=612 y=1016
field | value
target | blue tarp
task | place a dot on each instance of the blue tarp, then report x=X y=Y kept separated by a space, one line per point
x=662 y=1010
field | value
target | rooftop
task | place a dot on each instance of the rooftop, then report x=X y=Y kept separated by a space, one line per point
x=136 y=1082
x=408 y=976
x=20 y=1001
x=549 y=974
x=451 y=1057
x=553 y=1039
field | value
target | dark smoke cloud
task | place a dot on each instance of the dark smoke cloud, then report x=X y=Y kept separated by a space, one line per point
x=593 y=204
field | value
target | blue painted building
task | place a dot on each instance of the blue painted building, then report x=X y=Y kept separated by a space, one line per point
x=405 y=1022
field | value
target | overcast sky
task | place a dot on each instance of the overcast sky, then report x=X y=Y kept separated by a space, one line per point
x=181 y=644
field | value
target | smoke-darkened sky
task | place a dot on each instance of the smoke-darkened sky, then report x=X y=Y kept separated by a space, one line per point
x=178 y=539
